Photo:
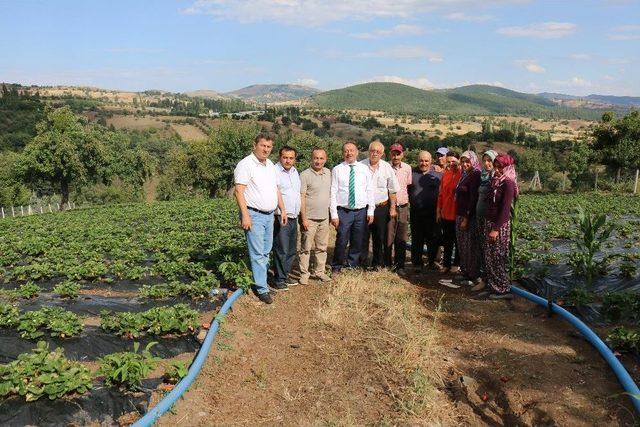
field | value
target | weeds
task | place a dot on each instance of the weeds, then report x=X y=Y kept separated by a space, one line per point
x=127 y=369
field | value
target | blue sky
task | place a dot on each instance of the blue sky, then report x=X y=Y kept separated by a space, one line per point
x=575 y=47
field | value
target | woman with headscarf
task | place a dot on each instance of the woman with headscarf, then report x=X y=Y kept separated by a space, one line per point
x=503 y=191
x=481 y=208
x=466 y=196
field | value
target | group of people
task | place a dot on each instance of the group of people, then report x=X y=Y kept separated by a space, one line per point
x=458 y=206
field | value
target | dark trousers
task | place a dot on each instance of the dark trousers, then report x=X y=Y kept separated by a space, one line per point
x=377 y=233
x=351 y=229
x=424 y=230
x=449 y=242
x=285 y=239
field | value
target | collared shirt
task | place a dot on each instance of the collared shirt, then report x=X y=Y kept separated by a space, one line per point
x=261 y=180
x=289 y=185
x=403 y=174
x=340 y=188
x=384 y=180
x=315 y=187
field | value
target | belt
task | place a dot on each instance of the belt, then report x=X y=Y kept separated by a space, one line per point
x=403 y=206
x=349 y=210
x=385 y=203
x=259 y=211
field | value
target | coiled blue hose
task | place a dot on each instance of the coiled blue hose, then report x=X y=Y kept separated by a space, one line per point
x=168 y=401
x=623 y=376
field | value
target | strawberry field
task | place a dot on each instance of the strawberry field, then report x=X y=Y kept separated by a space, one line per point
x=101 y=307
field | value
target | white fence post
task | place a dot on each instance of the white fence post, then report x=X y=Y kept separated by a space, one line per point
x=41 y=210
x=2 y=213
x=50 y=208
x=635 y=184
x=29 y=210
x=21 y=210
x=13 y=214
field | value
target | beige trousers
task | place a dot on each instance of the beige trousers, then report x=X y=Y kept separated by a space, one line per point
x=314 y=241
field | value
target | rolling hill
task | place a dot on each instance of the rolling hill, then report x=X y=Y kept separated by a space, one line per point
x=621 y=101
x=273 y=93
x=465 y=100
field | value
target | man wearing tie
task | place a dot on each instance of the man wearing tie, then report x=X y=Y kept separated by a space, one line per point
x=351 y=207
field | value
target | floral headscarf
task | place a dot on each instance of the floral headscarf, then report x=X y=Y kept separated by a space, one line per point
x=508 y=172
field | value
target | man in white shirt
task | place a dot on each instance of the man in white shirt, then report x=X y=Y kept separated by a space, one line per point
x=258 y=196
x=385 y=186
x=351 y=207
x=285 y=236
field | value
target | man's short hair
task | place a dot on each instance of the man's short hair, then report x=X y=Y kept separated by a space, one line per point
x=453 y=154
x=287 y=148
x=318 y=149
x=349 y=143
x=262 y=136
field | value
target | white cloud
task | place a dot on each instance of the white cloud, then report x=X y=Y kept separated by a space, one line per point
x=319 y=12
x=398 y=30
x=580 y=56
x=543 y=30
x=461 y=16
x=530 y=65
x=306 y=82
x=404 y=52
x=574 y=82
x=625 y=32
x=420 y=82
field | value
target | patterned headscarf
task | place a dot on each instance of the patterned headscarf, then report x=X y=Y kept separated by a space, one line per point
x=475 y=163
x=486 y=175
x=508 y=172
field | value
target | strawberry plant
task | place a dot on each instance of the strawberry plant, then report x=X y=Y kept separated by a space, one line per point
x=43 y=373
x=175 y=372
x=67 y=289
x=57 y=321
x=579 y=296
x=198 y=289
x=236 y=274
x=9 y=315
x=27 y=291
x=179 y=319
x=127 y=369
x=621 y=306
x=623 y=339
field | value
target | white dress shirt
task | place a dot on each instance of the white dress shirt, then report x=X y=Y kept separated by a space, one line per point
x=340 y=188
x=384 y=180
x=289 y=185
x=261 y=180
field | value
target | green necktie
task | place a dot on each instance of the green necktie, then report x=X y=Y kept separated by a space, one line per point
x=352 y=187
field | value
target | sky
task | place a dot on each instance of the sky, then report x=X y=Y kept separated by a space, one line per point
x=573 y=47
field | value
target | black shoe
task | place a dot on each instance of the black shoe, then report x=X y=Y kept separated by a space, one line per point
x=280 y=287
x=265 y=298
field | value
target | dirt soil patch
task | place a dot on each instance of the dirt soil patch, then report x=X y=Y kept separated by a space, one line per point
x=489 y=363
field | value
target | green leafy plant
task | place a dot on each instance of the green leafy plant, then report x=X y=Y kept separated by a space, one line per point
x=628 y=269
x=9 y=315
x=179 y=318
x=43 y=373
x=56 y=320
x=27 y=291
x=236 y=274
x=127 y=369
x=579 y=296
x=175 y=372
x=594 y=230
x=621 y=306
x=198 y=289
x=623 y=339
x=67 y=289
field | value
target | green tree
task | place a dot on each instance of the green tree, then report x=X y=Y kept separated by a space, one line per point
x=534 y=160
x=63 y=153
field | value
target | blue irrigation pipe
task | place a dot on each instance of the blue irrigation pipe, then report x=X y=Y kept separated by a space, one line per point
x=623 y=376
x=170 y=399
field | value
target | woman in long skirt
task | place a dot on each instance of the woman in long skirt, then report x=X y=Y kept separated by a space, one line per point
x=481 y=209
x=504 y=190
x=466 y=197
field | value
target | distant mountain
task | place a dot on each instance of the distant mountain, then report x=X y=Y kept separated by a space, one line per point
x=273 y=93
x=595 y=100
x=466 y=100
x=205 y=93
